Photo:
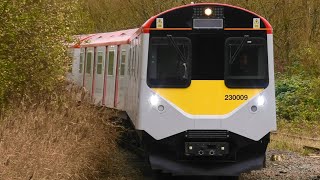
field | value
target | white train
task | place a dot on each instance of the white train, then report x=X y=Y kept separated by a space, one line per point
x=197 y=82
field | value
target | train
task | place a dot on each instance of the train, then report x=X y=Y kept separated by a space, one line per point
x=196 y=82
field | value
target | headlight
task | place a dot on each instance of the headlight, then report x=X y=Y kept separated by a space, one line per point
x=154 y=100
x=208 y=11
x=261 y=100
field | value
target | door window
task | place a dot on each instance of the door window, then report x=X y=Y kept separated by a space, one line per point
x=111 y=63
x=88 y=64
x=100 y=63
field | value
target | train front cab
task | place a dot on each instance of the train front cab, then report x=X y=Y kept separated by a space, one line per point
x=207 y=100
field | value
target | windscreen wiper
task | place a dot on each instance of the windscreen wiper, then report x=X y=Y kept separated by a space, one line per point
x=233 y=58
x=182 y=57
x=174 y=44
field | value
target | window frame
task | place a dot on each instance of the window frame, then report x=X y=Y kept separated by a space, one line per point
x=249 y=81
x=99 y=54
x=123 y=63
x=177 y=83
x=114 y=57
x=91 y=59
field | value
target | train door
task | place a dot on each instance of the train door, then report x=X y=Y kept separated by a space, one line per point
x=110 y=76
x=120 y=78
x=79 y=78
x=88 y=77
x=99 y=74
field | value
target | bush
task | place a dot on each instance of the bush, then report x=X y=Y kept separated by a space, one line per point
x=34 y=36
x=298 y=98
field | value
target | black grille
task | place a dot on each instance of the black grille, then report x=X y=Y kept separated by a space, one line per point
x=212 y=134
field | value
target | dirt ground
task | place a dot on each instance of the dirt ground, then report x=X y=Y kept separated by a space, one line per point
x=290 y=166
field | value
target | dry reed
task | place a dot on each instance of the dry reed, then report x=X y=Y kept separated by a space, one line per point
x=62 y=137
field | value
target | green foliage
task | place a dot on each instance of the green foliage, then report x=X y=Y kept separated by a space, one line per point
x=298 y=98
x=34 y=36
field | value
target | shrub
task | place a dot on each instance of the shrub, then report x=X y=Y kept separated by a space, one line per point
x=298 y=98
x=33 y=46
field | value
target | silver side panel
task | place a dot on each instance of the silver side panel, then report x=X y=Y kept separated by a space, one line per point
x=122 y=84
x=133 y=97
x=111 y=79
x=173 y=120
x=99 y=76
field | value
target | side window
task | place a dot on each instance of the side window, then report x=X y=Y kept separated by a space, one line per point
x=81 y=63
x=123 y=63
x=100 y=63
x=89 y=62
x=111 y=63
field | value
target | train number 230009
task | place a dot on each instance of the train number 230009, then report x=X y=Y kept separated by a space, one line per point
x=236 y=97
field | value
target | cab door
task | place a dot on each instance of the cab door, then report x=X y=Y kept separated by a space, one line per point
x=88 y=77
x=110 y=76
x=99 y=74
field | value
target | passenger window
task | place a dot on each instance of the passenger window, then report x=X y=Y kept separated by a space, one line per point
x=88 y=64
x=100 y=63
x=123 y=63
x=111 y=63
x=81 y=63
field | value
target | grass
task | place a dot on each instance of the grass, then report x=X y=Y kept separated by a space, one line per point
x=61 y=138
x=293 y=136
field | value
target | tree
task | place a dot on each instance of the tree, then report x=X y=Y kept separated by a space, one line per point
x=34 y=36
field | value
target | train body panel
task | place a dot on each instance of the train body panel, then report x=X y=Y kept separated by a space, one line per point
x=134 y=79
x=88 y=69
x=122 y=77
x=197 y=83
x=207 y=97
x=111 y=75
x=100 y=56
x=174 y=120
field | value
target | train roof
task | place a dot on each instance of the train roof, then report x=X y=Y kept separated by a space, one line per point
x=109 y=38
x=125 y=36
x=146 y=27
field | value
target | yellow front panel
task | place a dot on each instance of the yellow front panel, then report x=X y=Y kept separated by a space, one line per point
x=205 y=97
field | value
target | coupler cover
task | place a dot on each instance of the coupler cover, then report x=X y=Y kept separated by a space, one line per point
x=206 y=148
